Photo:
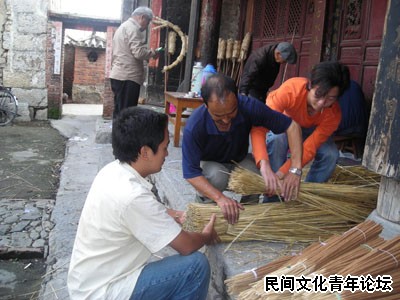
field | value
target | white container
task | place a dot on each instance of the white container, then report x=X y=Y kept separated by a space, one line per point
x=197 y=72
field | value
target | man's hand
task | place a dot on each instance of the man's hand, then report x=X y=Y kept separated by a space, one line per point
x=210 y=233
x=230 y=208
x=290 y=186
x=270 y=178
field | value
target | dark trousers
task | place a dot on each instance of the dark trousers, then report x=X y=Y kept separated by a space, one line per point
x=126 y=94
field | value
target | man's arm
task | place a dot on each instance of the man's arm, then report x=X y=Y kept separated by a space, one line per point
x=258 y=140
x=188 y=242
x=291 y=182
x=229 y=207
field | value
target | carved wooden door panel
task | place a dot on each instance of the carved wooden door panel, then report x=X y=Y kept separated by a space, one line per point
x=360 y=37
x=285 y=20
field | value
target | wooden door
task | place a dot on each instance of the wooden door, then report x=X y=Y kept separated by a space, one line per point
x=360 y=37
x=285 y=20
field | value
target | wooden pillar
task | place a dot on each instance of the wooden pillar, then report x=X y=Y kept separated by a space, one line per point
x=210 y=21
x=381 y=152
x=192 y=39
x=108 y=96
x=317 y=33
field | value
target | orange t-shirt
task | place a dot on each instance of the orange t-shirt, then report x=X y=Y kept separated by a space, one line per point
x=291 y=99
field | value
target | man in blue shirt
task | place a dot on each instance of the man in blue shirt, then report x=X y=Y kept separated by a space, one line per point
x=217 y=133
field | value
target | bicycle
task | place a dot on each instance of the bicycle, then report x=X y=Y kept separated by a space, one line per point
x=8 y=106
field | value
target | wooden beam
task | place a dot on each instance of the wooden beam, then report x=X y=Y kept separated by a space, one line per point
x=388 y=206
x=381 y=153
x=192 y=39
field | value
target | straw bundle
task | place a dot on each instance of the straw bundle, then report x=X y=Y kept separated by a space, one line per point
x=171 y=42
x=270 y=222
x=244 y=49
x=164 y=23
x=235 y=57
x=316 y=256
x=242 y=281
x=229 y=49
x=221 y=53
x=355 y=175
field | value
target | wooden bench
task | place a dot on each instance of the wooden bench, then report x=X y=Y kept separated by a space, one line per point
x=180 y=101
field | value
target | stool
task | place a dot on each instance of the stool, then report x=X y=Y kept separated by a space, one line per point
x=354 y=144
x=181 y=102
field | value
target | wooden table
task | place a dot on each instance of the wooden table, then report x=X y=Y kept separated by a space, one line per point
x=181 y=102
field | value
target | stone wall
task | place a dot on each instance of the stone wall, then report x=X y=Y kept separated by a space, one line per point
x=23 y=54
x=3 y=53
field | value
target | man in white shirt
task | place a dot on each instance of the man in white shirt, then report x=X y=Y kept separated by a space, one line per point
x=122 y=224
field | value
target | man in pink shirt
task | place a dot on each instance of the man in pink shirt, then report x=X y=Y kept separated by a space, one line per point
x=313 y=104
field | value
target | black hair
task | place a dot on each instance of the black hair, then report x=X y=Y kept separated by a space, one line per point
x=329 y=74
x=218 y=84
x=134 y=128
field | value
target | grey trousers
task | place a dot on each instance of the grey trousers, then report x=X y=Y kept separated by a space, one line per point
x=218 y=175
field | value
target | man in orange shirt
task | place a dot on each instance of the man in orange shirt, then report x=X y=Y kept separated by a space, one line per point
x=313 y=104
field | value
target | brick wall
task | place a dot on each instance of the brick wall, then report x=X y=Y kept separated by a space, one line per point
x=87 y=72
x=89 y=75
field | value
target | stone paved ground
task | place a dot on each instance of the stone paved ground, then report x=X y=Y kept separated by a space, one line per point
x=30 y=158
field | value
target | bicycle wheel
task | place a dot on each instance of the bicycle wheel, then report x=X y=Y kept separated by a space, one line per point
x=8 y=107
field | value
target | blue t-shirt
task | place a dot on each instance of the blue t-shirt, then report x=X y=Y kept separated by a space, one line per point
x=203 y=141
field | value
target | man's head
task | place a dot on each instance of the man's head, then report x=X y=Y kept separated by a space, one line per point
x=219 y=95
x=285 y=52
x=328 y=81
x=143 y=15
x=139 y=131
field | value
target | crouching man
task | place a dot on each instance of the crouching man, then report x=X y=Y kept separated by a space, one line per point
x=122 y=224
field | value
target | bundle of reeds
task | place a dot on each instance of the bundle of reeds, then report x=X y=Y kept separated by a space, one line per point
x=345 y=201
x=270 y=222
x=228 y=55
x=355 y=175
x=315 y=257
x=221 y=53
x=235 y=57
x=241 y=282
x=171 y=42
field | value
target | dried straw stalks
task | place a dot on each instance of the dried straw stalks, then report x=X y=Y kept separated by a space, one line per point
x=359 y=251
x=231 y=56
x=325 y=209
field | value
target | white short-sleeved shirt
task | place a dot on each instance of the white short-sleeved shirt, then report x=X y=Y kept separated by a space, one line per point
x=121 y=224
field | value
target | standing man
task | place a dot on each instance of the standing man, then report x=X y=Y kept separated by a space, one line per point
x=262 y=68
x=312 y=103
x=129 y=53
x=122 y=224
x=217 y=133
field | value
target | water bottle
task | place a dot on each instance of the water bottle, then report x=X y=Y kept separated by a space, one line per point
x=195 y=85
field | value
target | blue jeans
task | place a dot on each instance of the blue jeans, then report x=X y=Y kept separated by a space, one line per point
x=174 y=277
x=324 y=162
x=218 y=176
